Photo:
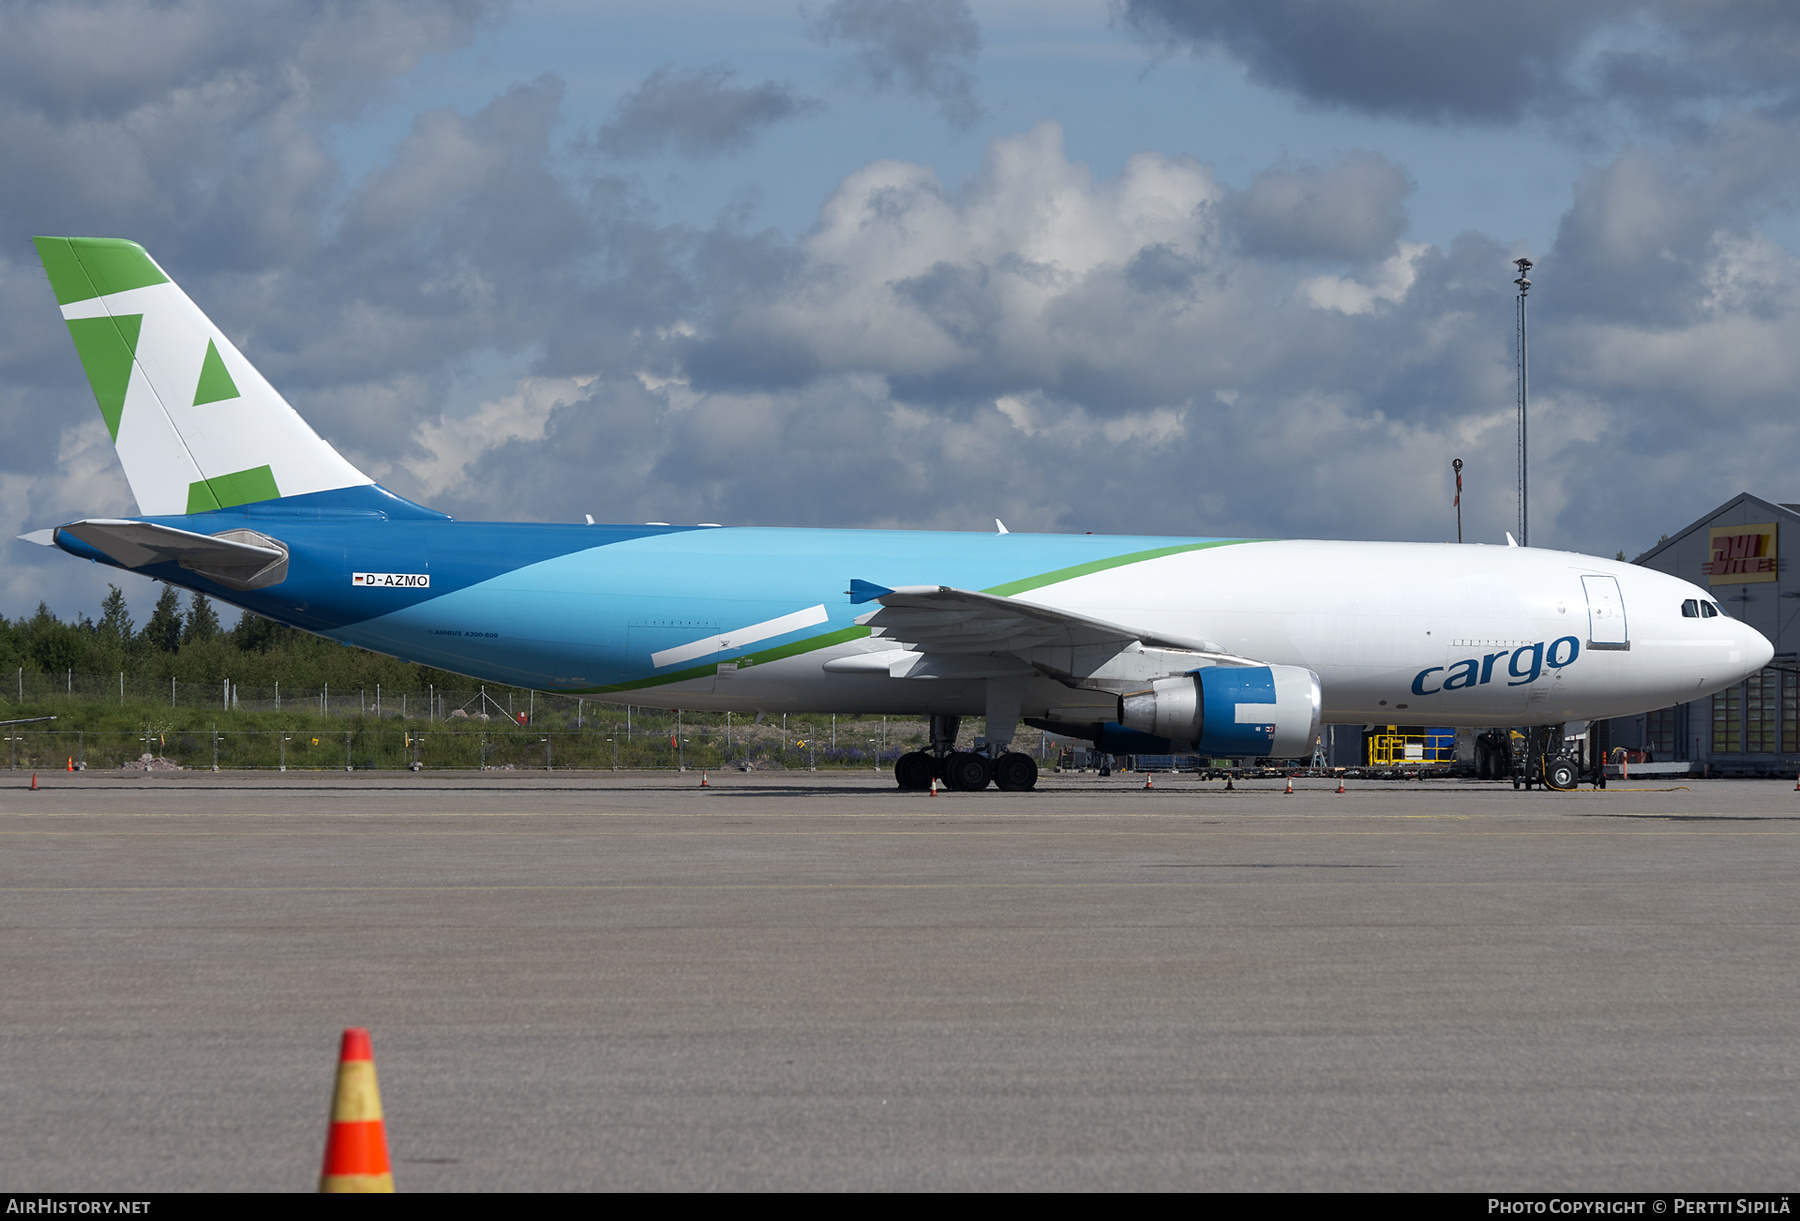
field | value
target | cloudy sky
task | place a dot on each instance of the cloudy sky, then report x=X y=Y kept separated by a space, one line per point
x=1153 y=266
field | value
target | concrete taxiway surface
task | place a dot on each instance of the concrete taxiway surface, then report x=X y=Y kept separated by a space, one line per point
x=813 y=982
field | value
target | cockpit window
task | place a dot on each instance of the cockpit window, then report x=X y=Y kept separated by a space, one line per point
x=1690 y=609
x=1708 y=610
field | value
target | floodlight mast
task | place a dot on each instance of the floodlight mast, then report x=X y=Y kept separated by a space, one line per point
x=1524 y=283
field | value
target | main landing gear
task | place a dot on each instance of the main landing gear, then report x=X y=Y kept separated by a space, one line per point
x=963 y=770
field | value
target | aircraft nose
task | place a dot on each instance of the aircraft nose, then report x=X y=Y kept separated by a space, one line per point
x=1757 y=649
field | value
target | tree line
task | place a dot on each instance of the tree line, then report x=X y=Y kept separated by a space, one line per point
x=190 y=644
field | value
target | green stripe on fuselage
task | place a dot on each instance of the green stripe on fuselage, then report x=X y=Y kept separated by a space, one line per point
x=760 y=658
x=845 y=635
x=1117 y=561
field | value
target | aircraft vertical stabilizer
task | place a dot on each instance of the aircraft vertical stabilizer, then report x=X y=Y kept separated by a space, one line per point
x=196 y=426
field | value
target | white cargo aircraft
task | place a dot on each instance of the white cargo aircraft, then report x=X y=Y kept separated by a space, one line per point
x=1232 y=646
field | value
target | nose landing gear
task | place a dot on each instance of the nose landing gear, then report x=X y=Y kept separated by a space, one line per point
x=1555 y=761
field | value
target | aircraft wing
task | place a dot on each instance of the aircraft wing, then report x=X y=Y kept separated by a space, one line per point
x=238 y=559
x=939 y=621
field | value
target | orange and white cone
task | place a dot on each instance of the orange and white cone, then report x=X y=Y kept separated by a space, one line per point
x=1147 y=783
x=934 y=786
x=1290 y=787
x=1228 y=785
x=356 y=1152
x=71 y=762
x=703 y=783
x=1340 y=784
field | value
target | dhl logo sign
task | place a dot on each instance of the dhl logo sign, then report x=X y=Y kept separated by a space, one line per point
x=1740 y=555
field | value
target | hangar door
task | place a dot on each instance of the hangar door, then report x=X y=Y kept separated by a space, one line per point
x=1606 y=614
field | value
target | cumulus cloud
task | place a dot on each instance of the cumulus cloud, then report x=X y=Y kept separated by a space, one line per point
x=1083 y=352
x=1147 y=350
x=1068 y=351
x=167 y=122
x=922 y=47
x=975 y=292
x=697 y=113
x=1641 y=238
x=1441 y=59
x=1392 y=280
x=195 y=127
x=1352 y=210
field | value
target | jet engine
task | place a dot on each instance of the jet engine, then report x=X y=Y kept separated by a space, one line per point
x=1270 y=711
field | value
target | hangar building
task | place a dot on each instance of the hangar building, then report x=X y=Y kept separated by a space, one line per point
x=1734 y=552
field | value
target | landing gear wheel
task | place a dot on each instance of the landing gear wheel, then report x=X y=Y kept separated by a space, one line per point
x=914 y=770
x=1015 y=773
x=967 y=773
x=1561 y=774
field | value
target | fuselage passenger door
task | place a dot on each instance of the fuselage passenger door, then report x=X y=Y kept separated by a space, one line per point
x=1606 y=614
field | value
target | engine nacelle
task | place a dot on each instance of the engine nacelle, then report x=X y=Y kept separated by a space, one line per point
x=1266 y=711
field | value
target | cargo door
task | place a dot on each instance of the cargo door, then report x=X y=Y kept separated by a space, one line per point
x=1606 y=614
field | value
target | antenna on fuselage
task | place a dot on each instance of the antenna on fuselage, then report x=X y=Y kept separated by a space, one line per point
x=1456 y=465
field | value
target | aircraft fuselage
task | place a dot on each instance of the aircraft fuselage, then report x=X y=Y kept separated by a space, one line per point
x=750 y=618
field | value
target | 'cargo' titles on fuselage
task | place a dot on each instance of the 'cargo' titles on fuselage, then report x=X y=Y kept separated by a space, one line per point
x=1525 y=665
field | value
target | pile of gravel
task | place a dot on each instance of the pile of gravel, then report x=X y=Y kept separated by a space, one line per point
x=151 y=763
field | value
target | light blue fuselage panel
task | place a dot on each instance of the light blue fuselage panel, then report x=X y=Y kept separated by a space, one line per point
x=608 y=607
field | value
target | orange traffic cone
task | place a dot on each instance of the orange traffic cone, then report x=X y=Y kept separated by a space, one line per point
x=1147 y=783
x=703 y=783
x=356 y=1152
x=71 y=762
x=1228 y=785
x=1340 y=783
x=934 y=786
x=1290 y=787
x=34 y=782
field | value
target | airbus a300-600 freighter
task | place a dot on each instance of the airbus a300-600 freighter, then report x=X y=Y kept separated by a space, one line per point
x=1230 y=646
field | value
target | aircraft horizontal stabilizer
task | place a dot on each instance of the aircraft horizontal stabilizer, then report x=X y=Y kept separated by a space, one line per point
x=236 y=559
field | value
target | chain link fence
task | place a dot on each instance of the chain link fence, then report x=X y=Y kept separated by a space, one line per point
x=227 y=726
x=497 y=747
x=30 y=688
